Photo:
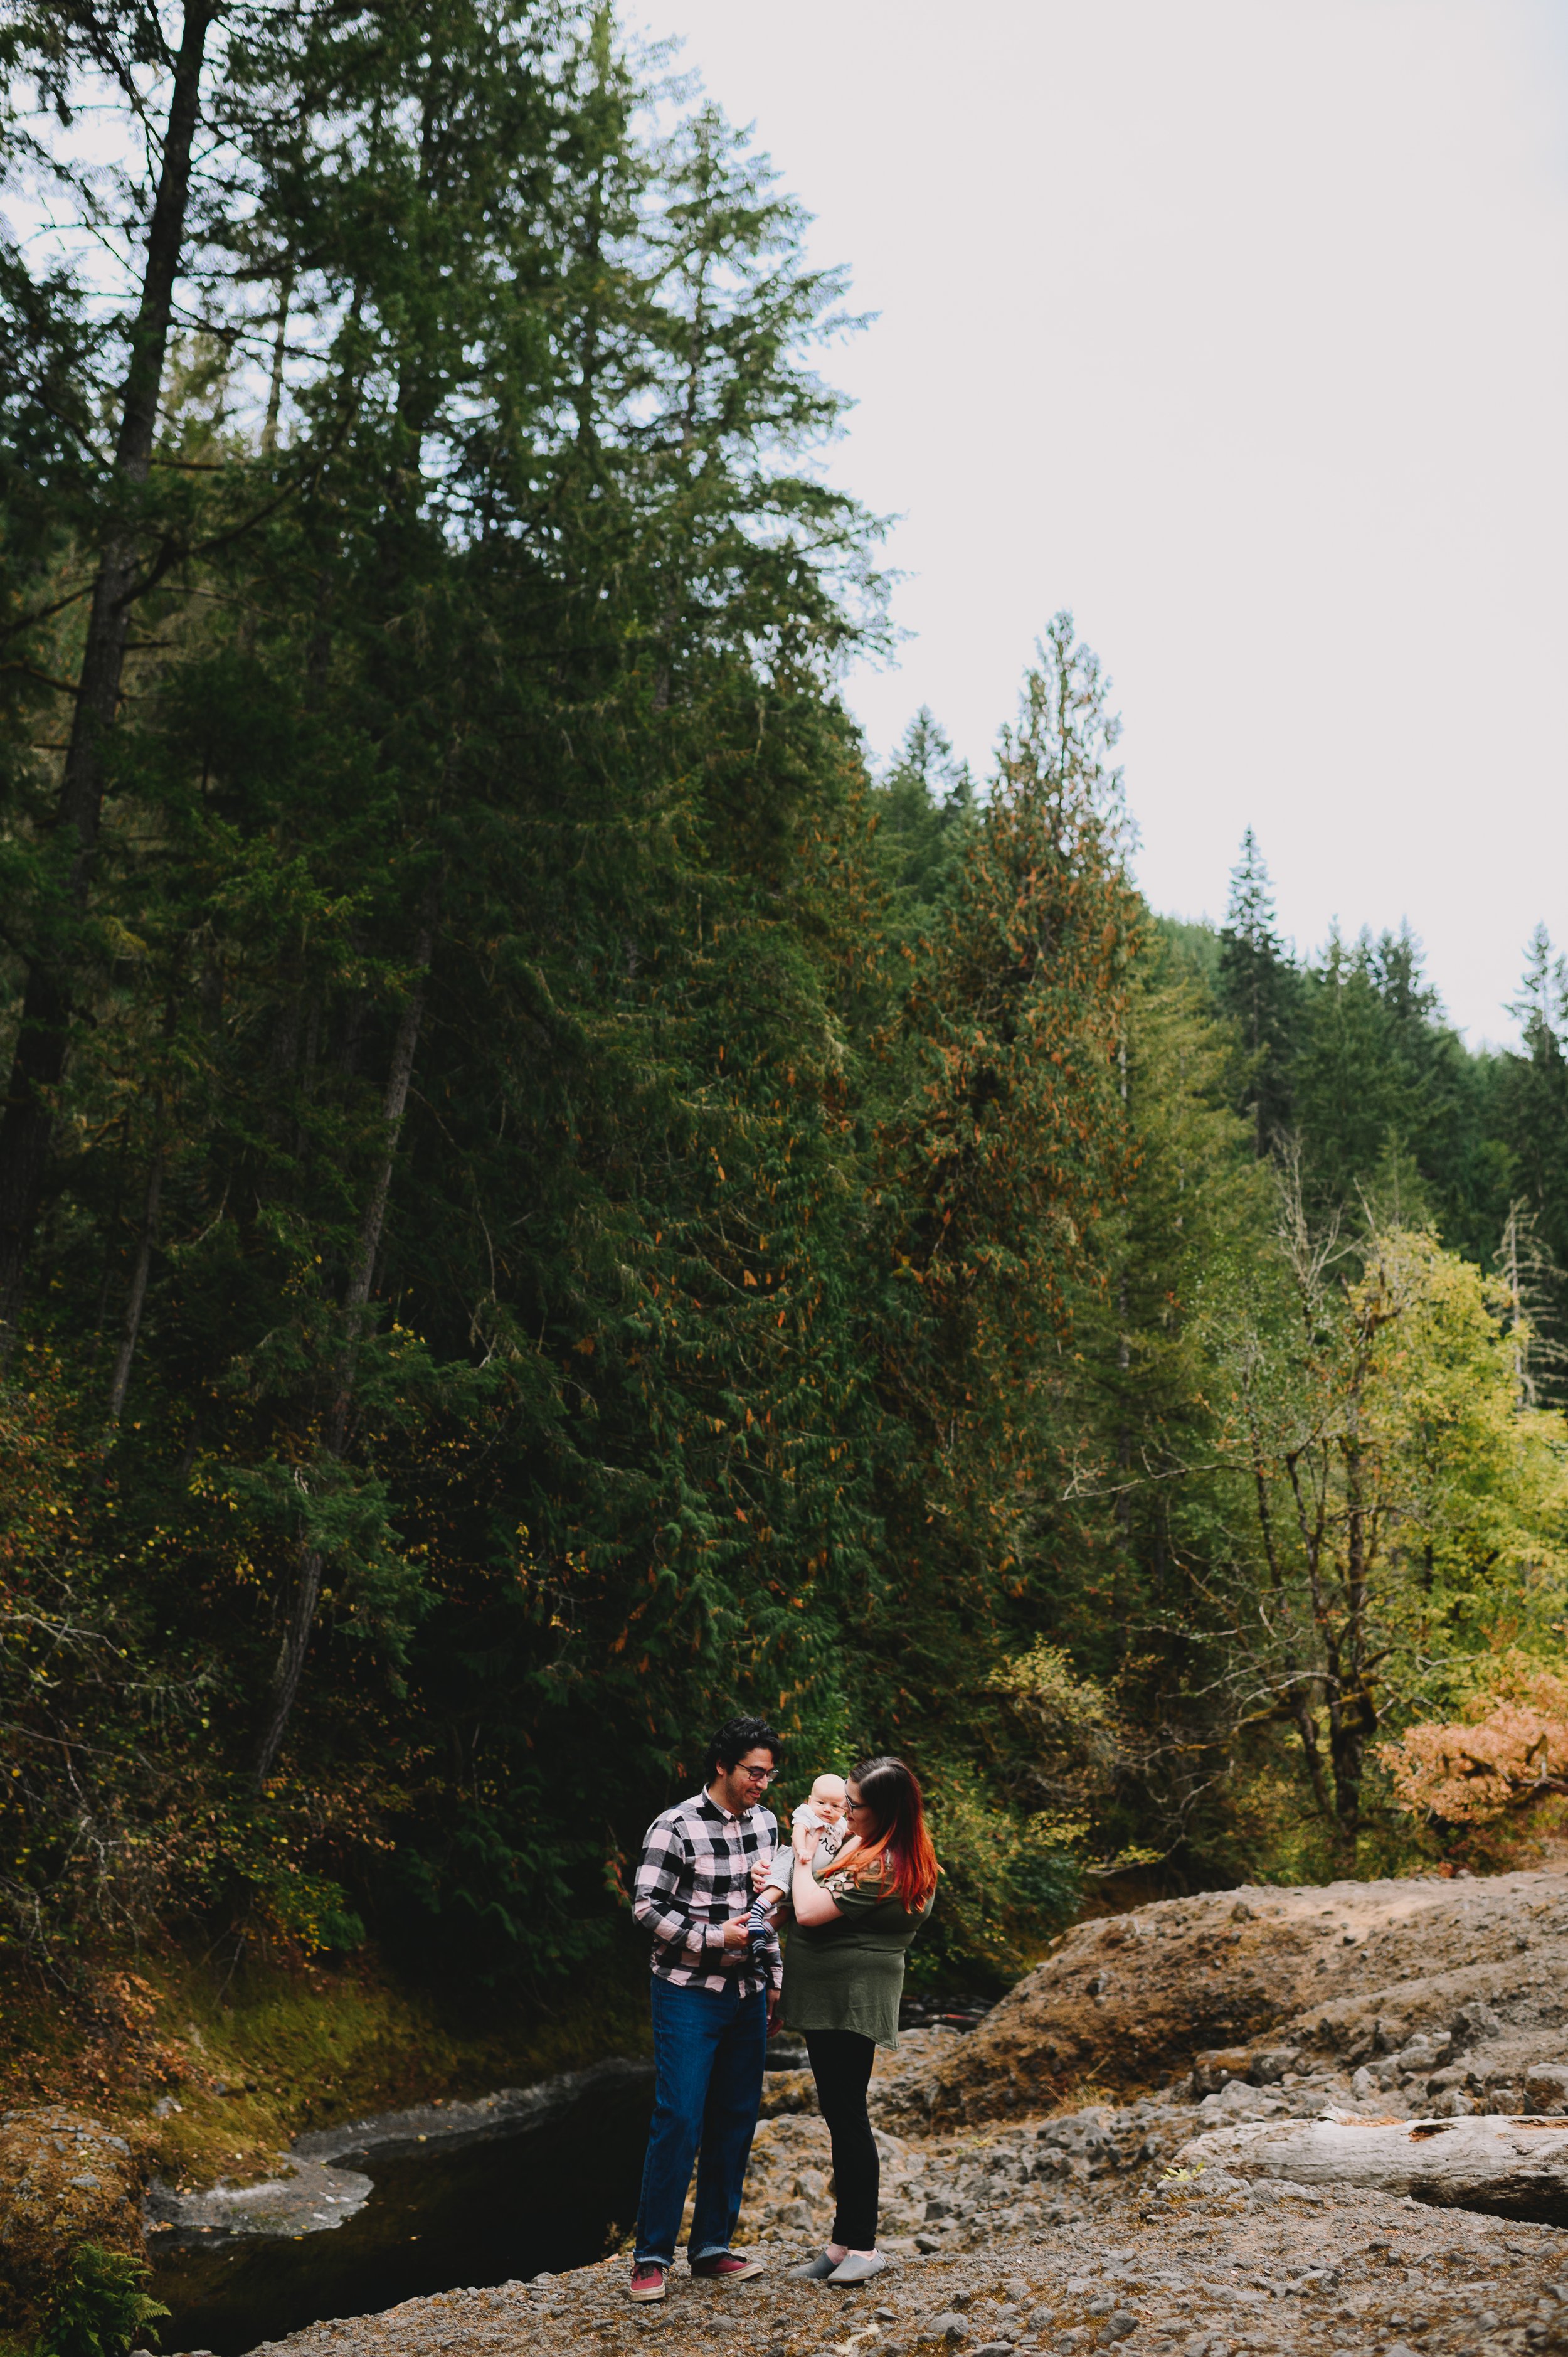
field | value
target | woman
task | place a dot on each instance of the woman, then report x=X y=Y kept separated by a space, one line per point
x=844 y=1973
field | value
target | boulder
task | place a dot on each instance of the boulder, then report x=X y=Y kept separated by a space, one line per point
x=65 y=2180
x=1513 y=2168
x=1406 y=1977
x=786 y=2090
x=310 y=2198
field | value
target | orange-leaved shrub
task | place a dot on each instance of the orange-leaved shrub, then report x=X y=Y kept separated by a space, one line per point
x=1507 y=1749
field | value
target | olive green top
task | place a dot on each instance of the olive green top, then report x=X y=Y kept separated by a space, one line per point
x=849 y=1974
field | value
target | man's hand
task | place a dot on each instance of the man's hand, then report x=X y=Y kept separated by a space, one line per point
x=736 y=1932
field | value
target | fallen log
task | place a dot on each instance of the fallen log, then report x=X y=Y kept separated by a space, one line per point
x=1510 y=2168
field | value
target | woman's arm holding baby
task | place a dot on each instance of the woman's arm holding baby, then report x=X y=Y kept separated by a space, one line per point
x=811 y=1902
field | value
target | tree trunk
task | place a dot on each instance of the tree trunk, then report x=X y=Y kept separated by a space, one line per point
x=307 y=1591
x=280 y=353
x=138 y=1288
x=39 y=1059
x=1513 y=2166
x=1354 y=1718
x=675 y=588
x=1299 y=1682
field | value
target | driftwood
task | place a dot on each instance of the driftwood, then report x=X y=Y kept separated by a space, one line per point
x=1514 y=2167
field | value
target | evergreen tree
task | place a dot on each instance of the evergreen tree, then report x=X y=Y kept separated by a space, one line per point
x=1259 y=988
x=1391 y=1108
x=922 y=809
x=1531 y=1119
x=124 y=524
x=1000 y=1149
x=1138 y=1525
x=542 y=572
x=1197 y=947
x=1535 y=1093
x=1358 y=1106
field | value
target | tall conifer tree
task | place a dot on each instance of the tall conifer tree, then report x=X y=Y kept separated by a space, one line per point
x=1259 y=989
x=1537 y=1091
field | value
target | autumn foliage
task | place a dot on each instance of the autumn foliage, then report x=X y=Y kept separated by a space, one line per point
x=1506 y=1751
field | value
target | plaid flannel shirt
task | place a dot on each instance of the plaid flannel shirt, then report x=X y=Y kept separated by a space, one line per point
x=694 y=1876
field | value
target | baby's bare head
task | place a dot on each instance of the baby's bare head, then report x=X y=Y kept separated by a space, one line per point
x=829 y=1797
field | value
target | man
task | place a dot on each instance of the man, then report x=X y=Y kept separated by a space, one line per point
x=713 y=2001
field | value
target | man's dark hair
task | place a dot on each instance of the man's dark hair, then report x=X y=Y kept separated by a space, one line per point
x=734 y=1738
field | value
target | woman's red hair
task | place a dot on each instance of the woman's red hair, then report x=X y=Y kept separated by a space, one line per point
x=892 y=1793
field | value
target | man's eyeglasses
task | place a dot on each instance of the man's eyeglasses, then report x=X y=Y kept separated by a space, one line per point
x=757 y=1775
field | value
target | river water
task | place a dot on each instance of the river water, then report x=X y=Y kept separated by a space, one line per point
x=488 y=2211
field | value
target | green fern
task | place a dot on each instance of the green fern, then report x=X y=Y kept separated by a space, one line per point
x=100 y=2308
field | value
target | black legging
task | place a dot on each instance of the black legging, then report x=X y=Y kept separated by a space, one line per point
x=841 y=2065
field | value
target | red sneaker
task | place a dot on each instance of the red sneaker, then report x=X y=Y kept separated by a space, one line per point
x=648 y=2279
x=728 y=2267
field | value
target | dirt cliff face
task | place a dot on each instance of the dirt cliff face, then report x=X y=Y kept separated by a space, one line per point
x=1346 y=1970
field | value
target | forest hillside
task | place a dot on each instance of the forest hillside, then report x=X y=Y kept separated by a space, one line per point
x=543 y=1199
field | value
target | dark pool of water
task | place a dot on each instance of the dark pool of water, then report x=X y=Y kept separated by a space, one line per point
x=481 y=2214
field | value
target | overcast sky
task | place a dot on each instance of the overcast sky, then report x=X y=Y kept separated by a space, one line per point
x=1239 y=328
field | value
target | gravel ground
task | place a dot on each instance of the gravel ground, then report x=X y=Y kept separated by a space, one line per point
x=1205 y=2275
x=1053 y=2235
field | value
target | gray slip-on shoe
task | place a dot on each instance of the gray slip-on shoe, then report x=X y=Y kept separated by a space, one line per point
x=816 y=2270
x=859 y=2267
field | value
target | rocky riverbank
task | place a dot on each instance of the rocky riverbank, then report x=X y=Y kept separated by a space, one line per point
x=1020 y=2216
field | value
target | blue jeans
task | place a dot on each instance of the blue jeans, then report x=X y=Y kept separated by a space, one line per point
x=709 y=2046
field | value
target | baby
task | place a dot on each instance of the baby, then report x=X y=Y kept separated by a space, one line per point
x=824 y=1811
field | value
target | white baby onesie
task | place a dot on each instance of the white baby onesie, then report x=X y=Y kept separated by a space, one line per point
x=831 y=1842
